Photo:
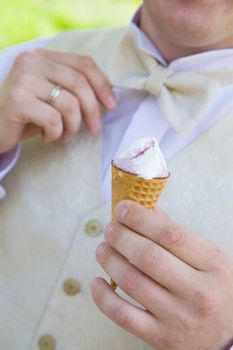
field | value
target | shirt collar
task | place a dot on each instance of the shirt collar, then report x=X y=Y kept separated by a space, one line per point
x=209 y=60
x=144 y=43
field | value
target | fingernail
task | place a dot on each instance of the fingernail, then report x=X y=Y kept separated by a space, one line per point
x=121 y=211
x=96 y=125
x=111 y=102
x=101 y=248
x=108 y=230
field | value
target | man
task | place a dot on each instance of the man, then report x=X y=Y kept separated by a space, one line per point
x=172 y=72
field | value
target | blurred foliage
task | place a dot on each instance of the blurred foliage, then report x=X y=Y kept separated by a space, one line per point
x=22 y=20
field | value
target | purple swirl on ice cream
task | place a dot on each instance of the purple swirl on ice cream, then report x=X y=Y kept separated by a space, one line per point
x=143 y=158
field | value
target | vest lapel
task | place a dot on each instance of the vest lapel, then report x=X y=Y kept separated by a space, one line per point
x=199 y=191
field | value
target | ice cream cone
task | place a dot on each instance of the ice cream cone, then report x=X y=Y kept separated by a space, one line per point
x=129 y=186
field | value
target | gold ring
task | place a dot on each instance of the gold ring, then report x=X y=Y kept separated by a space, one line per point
x=54 y=94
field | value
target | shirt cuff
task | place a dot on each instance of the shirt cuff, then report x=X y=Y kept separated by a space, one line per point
x=7 y=162
x=229 y=346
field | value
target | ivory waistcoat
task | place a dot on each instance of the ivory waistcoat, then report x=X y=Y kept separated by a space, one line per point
x=54 y=191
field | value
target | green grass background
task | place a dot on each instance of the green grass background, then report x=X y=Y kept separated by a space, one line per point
x=22 y=20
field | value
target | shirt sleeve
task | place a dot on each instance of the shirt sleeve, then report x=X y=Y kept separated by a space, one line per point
x=7 y=57
x=7 y=162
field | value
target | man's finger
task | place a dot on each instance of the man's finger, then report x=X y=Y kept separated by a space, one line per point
x=153 y=260
x=196 y=251
x=44 y=116
x=68 y=105
x=89 y=68
x=158 y=300
x=76 y=84
x=136 y=321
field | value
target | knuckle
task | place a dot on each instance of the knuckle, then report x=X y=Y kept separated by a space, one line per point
x=57 y=132
x=79 y=83
x=135 y=214
x=88 y=63
x=187 y=322
x=150 y=258
x=130 y=283
x=115 y=234
x=100 y=300
x=74 y=126
x=104 y=256
x=72 y=105
x=54 y=119
x=25 y=57
x=82 y=80
x=206 y=302
x=172 y=236
x=123 y=318
x=169 y=339
x=73 y=85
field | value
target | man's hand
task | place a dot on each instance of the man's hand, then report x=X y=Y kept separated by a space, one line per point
x=23 y=108
x=183 y=282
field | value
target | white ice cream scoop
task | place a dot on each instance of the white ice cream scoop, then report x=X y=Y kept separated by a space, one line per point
x=143 y=158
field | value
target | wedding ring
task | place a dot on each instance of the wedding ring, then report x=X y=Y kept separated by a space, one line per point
x=113 y=285
x=54 y=94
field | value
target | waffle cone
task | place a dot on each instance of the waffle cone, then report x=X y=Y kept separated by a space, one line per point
x=129 y=186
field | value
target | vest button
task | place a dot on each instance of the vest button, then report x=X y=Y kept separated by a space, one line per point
x=71 y=287
x=93 y=228
x=47 y=342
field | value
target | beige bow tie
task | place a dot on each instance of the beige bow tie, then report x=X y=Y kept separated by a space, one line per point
x=183 y=97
